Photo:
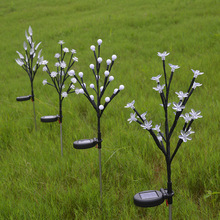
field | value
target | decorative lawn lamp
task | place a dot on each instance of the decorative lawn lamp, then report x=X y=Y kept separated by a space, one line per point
x=99 y=108
x=58 y=78
x=27 y=63
x=152 y=198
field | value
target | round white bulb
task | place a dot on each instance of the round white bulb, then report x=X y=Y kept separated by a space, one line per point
x=92 y=86
x=71 y=72
x=99 y=41
x=106 y=73
x=121 y=87
x=91 y=66
x=108 y=61
x=101 y=88
x=107 y=99
x=115 y=91
x=81 y=91
x=99 y=60
x=101 y=107
x=73 y=80
x=92 y=97
x=92 y=48
x=81 y=74
x=111 y=78
x=114 y=57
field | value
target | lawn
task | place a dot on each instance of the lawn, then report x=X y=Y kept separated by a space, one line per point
x=36 y=182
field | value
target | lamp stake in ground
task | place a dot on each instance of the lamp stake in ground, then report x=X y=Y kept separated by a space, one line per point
x=58 y=78
x=163 y=140
x=26 y=61
x=97 y=105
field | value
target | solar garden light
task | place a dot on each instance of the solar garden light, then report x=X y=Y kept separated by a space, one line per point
x=99 y=91
x=26 y=61
x=152 y=198
x=58 y=78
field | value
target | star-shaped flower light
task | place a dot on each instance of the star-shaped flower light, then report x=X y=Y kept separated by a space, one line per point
x=195 y=115
x=147 y=125
x=178 y=106
x=132 y=117
x=196 y=73
x=181 y=95
x=130 y=105
x=195 y=84
x=159 y=88
x=186 y=117
x=173 y=67
x=163 y=55
x=185 y=135
x=156 y=78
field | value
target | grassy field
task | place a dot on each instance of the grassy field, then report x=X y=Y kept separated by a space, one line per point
x=36 y=182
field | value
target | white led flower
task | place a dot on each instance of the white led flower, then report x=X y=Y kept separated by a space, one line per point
x=65 y=50
x=132 y=117
x=108 y=61
x=147 y=125
x=115 y=91
x=71 y=72
x=92 y=48
x=73 y=51
x=81 y=91
x=163 y=55
x=178 y=106
x=44 y=68
x=92 y=97
x=77 y=91
x=99 y=60
x=156 y=78
x=143 y=115
x=181 y=95
x=53 y=74
x=44 y=62
x=61 y=42
x=80 y=74
x=107 y=99
x=195 y=84
x=99 y=41
x=19 y=62
x=30 y=31
x=101 y=107
x=173 y=67
x=196 y=73
x=185 y=135
x=57 y=55
x=75 y=59
x=186 y=117
x=64 y=94
x=111 y=78
x=57 y=64
x=121 y=87
x=63 y=64
x=195 y=115
x=159 y=88
x=101 y=88
x=114 y=57
x=44 y=82
x=72 y=86
x=73 y=80
x=130 y=105
x=91 y=66
x=20 y=55
x=157 y=128
x=25 y=45
x=159 y=137
x=92 y=86
x=106 y=73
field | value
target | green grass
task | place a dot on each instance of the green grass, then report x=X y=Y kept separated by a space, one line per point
x=36 y=182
